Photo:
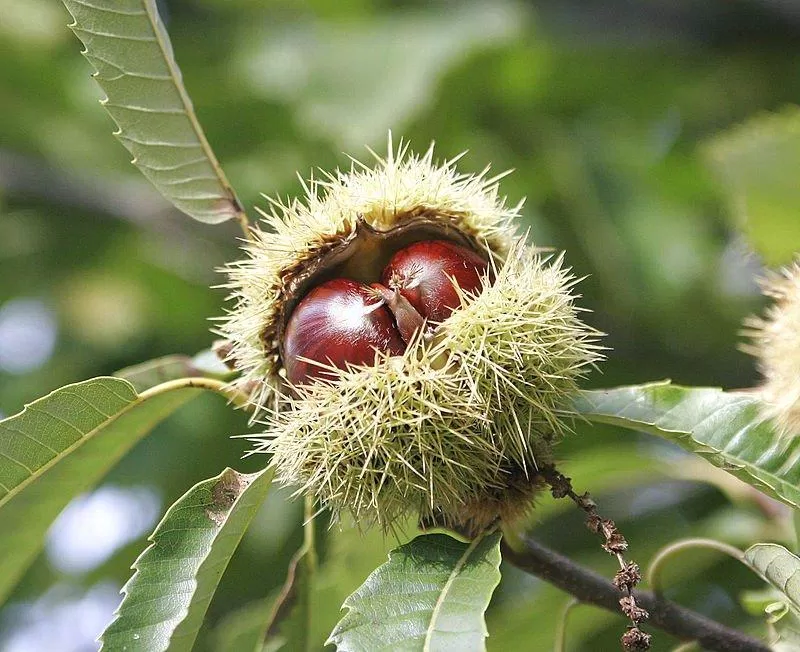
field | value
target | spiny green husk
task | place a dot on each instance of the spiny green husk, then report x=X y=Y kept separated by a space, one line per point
x=399 y=187
x=453 y=430
x=447 y=430
x=775 y=341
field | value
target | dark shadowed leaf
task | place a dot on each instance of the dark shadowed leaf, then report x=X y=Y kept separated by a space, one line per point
x=289 y=625
x=431 y=595
x=60 y=446
x=726 y=428
x=166 y=600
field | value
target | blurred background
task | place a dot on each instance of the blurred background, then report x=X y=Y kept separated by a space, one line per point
x=602 y=108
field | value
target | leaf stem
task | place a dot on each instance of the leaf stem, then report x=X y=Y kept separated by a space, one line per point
x=244 y=223
x=656 y=567
x=560 y=644
x=309 y=548
x=238 y=398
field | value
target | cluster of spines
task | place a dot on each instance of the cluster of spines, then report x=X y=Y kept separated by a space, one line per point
x=445 y=426
x=298 y=231
x=775 y=341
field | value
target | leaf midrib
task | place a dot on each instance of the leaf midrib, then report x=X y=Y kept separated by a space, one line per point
x=82 y=440
x=747 y=466
x=16 y=490
x=445 y=590
x=175 y=75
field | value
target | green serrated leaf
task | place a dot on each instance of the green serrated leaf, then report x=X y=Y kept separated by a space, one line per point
x=352 y=554
x=130 y=50
x=431 y=595
x=758 y=164
x=778 y=567
x=166 y=599
x=726 y=428
x=60 y=446
x=172 y=367
x=781 y=570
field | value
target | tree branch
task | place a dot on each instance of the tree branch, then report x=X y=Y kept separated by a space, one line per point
x=587 y=586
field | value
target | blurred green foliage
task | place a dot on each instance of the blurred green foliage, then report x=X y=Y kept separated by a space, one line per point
x=602 y=109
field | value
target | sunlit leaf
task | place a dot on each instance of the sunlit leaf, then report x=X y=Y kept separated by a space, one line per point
x=60 y=446
x=758 y=163
x=128 y=46
x=431 y=594
x=166 y=599
x=726 y=428
x=781 y=569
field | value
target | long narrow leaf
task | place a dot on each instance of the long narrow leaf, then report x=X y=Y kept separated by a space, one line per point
x=725 y=428
x=60 y=446
x=431 y=595
x=176 y=577
x=129 y=47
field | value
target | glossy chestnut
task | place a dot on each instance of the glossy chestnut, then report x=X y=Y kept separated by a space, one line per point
x=339 y=322
x=343 y=321
x=424 y=272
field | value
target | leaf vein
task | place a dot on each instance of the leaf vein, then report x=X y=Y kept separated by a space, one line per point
x=108 y=9
x=121 y=37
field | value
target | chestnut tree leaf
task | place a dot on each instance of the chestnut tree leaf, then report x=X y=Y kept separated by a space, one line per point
x=128 y=46
x=725 y=428
x=60 y=446
x=431 y=594
x=351 y=555
x=166 y=599
x=781 y=569
x=757 y=163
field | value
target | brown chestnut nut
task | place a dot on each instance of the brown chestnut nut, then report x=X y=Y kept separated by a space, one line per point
x=339 y=322
x=422 y=273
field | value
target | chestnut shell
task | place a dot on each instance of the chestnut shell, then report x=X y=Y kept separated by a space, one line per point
x=338 y=323
x=424 y=272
